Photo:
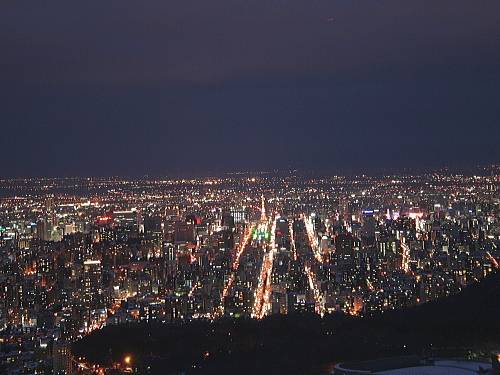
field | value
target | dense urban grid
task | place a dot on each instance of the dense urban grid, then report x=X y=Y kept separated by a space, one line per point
x=80 y=254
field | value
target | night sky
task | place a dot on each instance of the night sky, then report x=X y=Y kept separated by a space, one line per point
x=204 y=86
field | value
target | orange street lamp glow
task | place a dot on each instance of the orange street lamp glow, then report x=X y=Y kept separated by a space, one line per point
x=128 y=360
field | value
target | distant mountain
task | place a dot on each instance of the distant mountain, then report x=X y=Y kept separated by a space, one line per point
x=464 y=324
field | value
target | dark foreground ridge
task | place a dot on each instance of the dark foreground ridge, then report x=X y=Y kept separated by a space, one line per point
x=465 y=324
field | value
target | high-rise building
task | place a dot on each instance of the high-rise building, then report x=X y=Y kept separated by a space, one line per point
x=227 y=221
x=368 y=228
x=61 y=358
x=238 y=214
x=92 y=283
x=184 y=232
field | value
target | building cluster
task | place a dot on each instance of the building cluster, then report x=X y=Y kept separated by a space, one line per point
x=79 y=254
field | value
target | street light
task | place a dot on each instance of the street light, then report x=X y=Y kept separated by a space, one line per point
x=127 y=360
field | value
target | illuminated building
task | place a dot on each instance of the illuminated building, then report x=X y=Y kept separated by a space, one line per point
x=61 y=356
x=92 y=283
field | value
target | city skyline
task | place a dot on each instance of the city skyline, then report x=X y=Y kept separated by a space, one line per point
x=81 y=258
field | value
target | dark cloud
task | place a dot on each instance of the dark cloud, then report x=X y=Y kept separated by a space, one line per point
x=131 y=87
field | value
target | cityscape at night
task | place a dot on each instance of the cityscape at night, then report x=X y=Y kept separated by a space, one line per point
x=82 y=254
x=296 y=187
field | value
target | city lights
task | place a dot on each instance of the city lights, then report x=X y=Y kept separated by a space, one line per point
x=173 y=251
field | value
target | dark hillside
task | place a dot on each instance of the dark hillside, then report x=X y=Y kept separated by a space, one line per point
x=468 y=322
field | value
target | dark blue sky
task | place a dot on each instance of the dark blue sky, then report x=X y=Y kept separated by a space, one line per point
x=189 y=86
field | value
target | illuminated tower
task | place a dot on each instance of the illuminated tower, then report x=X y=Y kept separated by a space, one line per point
x=262 y=209
x=50 y=211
